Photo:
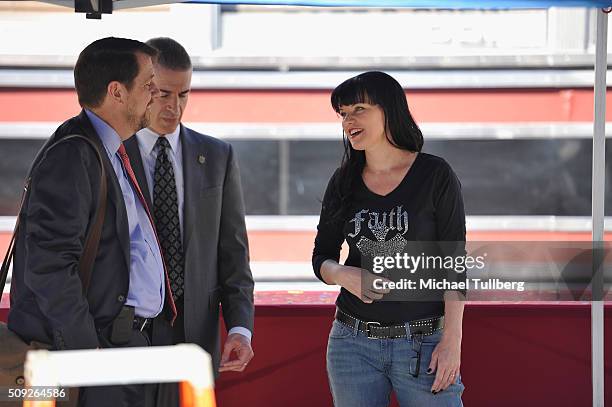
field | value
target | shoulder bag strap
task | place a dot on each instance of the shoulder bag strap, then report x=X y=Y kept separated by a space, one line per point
x=92 y=241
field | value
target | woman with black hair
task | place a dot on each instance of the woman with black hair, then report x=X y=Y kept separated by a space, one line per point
x=386 y=194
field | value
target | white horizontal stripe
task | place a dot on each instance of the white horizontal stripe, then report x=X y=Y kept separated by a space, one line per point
x=7 y=223
x=332 y=131
x=282 y=223
x=533 y=223
x=424 y=79
x=267 y=271
x=473 y=223
x=257 y=223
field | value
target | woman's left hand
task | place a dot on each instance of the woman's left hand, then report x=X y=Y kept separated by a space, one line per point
x=445 y=362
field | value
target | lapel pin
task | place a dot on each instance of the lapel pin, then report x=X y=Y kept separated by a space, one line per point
x=201 y=159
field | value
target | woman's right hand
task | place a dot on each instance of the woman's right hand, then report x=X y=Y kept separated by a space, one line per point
x=355 y=280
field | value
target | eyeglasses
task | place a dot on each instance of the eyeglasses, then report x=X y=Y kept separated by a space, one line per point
x=415 y=361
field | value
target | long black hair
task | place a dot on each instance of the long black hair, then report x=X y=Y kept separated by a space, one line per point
x=376 y=88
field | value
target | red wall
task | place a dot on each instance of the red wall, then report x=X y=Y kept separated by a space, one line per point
x=513 y=355
x=521 y=354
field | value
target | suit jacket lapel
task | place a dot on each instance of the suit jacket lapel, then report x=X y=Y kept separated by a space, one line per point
x=193 y=172
x=115 y=195
x=131 y=146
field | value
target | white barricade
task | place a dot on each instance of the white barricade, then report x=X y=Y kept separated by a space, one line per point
x=185 y=363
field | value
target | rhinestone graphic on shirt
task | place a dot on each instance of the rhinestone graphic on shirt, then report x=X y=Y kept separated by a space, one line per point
x=380 y=224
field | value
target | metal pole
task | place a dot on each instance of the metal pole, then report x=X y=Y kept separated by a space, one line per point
x=597 y=205
x=215 y=26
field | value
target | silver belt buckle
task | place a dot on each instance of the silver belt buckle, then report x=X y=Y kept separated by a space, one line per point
x=367 y=328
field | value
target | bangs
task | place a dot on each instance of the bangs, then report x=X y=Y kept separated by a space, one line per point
x=353 y=91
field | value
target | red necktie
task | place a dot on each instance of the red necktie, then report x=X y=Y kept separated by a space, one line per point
x=125 y=160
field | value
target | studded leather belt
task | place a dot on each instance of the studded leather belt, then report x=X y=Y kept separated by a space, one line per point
x=376 y=330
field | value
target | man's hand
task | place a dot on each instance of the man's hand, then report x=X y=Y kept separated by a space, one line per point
x=239 y=345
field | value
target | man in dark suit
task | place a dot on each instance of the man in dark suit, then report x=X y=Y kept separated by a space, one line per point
x=114 y=84
x=192 y=182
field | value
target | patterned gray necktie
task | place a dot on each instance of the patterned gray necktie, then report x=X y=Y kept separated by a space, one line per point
x=165 y=209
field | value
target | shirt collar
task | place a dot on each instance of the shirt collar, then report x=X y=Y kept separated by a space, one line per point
x=109 y=137
x=147 y=139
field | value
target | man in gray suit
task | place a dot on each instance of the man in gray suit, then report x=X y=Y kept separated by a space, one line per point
x=193 y=184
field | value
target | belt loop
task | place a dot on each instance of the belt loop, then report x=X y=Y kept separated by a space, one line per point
x=356 y=328
x=407 y=326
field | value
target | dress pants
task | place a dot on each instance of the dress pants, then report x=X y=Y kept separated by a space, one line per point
x=134 y=395
x=163 y=334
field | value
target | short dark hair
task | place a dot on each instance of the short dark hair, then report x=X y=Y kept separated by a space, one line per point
x=170 y=54
x=104 y=61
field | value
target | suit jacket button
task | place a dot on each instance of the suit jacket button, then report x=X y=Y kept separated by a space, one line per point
x=121 y=298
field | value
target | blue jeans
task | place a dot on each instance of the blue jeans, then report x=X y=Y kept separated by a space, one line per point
x=362 y=371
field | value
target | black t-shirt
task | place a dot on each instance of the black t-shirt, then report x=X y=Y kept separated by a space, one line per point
x=426 y=206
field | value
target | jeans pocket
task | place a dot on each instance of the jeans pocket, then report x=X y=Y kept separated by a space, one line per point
x=340 y=331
